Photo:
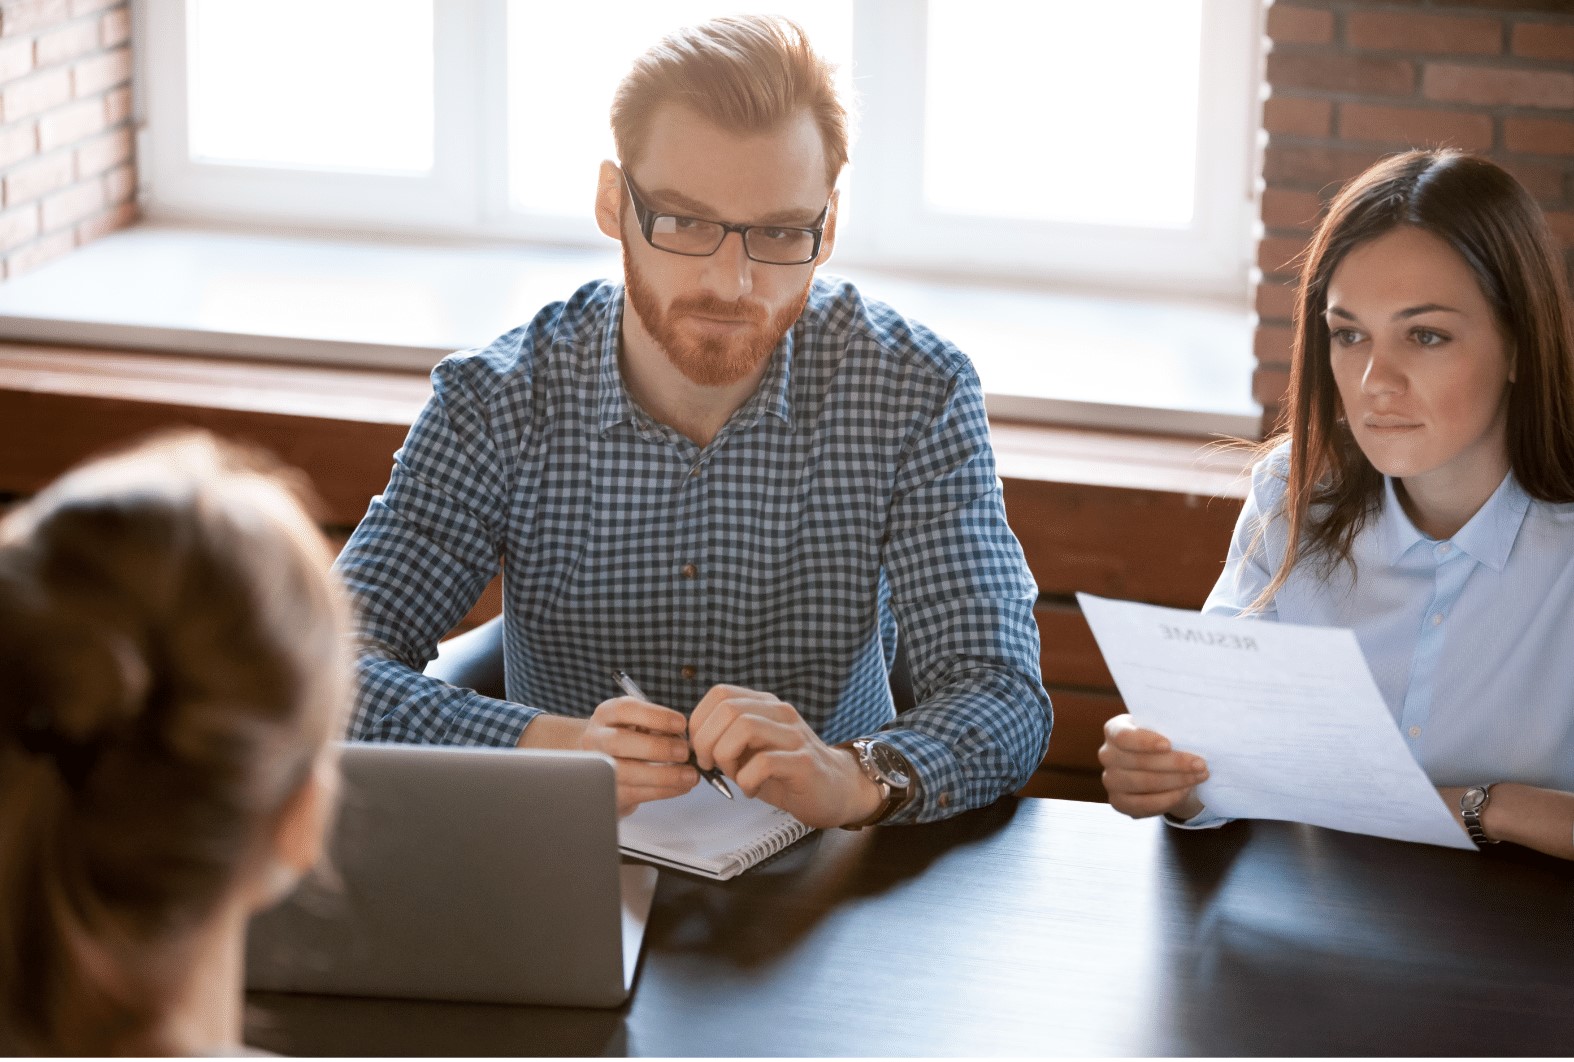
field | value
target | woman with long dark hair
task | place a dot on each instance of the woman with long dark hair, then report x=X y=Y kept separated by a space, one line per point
x=1422 y=495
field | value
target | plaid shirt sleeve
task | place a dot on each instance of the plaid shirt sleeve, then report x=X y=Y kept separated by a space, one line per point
x=963 y=598
x=424 y=552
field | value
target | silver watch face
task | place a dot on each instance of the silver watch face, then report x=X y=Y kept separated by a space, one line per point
x=890 y=764
x=1473 y=800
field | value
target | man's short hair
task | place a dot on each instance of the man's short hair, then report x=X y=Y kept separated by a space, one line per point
x=747 y=74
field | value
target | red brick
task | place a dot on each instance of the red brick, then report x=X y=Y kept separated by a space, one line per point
x=67 y=125
x=32 y=180
x=1415 y=126
x=35 y=254
x=18 y=226
x=1562 y=226
x=1288 y=24
x=1539 y=136
x=117 y=105
x=120 y=184
x=111 y=220
x=1341 y=73
x=1271 y=344
x=1269 y=383
x=1314 y=166
x=16 y=59
x=34 y=94
x=1276 y=254
x=1543 y=180
x=1295 y=116
x=1544 y=40
x=18 y=142
x=102 y=72
x=70 y=41
x=1402 y=31
x=28 y=16
x=1496 y=86
x=85 y=7
x=72 y=205
x=1285 y=208
x=1275 y=302
x=103 y=153
x=114 y=27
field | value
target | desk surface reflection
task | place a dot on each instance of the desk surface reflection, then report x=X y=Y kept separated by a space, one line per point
x=1052 y=927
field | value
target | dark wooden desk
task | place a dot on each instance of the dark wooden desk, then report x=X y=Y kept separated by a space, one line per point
x=1053 y=927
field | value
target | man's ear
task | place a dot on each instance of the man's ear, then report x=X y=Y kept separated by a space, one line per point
x=828 y=240
x=609 y=200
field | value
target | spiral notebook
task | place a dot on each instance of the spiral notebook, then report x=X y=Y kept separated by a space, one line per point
x=705 y=833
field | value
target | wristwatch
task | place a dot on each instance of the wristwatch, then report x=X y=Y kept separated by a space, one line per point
x=887 y=768
x=1471 y=805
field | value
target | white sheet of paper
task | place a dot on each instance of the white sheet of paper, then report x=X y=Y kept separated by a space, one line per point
x=1288 y=717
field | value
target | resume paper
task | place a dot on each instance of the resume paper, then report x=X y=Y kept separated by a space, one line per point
x=1288 y=717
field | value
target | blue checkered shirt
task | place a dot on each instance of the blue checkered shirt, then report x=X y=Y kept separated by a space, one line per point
x=854 y=494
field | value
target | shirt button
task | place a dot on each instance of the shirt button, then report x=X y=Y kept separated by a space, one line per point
x=944 y=800
x=688 y=671
x=1444 y=549
x=694 y=471
x=1415 y=731
x=1437 y=618
x=690 y=571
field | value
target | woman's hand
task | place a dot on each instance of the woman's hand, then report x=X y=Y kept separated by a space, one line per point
x=1537 y=818
x=1144 y=776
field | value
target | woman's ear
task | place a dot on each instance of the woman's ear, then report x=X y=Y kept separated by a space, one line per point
x=609 y=200
x=300 y=834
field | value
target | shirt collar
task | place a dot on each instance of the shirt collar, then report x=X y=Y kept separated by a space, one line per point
x=616 y=407
x=1488 y=537
x=773 y=396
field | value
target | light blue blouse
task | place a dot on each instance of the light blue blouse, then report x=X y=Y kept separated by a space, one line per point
x=1470 y=640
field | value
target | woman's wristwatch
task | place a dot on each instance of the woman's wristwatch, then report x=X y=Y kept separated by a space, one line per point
x=888 y=769
x=1471 y=805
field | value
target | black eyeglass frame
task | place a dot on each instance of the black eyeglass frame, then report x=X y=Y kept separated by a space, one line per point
x=647 y=219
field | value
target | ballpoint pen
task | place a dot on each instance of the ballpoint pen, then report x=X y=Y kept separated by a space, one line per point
x=714 y=775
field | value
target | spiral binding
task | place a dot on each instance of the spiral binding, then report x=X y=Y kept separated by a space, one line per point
x=779 y=837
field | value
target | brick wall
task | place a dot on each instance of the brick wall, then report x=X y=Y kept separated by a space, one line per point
x=67 y=173
x=1350 y=81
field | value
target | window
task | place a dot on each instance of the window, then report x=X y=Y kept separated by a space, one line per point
x=1107 y=143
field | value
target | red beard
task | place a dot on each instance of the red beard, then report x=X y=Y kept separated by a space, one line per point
x=710 y=361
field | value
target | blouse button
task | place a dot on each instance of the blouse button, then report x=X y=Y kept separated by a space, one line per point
x=688 y=671
x=690 y=571
x=1415 y=731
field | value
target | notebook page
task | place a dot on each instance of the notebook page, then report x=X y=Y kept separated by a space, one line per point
x=705 y=832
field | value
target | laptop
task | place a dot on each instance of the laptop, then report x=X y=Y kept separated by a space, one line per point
x=466 y=874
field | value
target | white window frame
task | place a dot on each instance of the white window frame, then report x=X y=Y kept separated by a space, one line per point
x=1209 y=256
x=466 y=195
x=181 y=188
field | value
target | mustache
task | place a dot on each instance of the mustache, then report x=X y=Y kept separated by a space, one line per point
x=710 y=306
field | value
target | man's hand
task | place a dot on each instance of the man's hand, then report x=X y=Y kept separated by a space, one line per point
x=1144 y=776
x=645 y=741
x=764 y=745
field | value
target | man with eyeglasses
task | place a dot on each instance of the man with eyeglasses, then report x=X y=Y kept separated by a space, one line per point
x=734 y=482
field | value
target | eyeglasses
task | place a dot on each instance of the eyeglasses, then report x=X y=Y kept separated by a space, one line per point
x=698 y=237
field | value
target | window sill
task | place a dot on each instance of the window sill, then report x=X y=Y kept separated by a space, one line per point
x=1176 y=366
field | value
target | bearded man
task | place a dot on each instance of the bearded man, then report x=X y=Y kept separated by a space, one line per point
x=734 y=481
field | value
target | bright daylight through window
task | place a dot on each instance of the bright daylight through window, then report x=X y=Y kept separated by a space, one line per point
x=1098 y=148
